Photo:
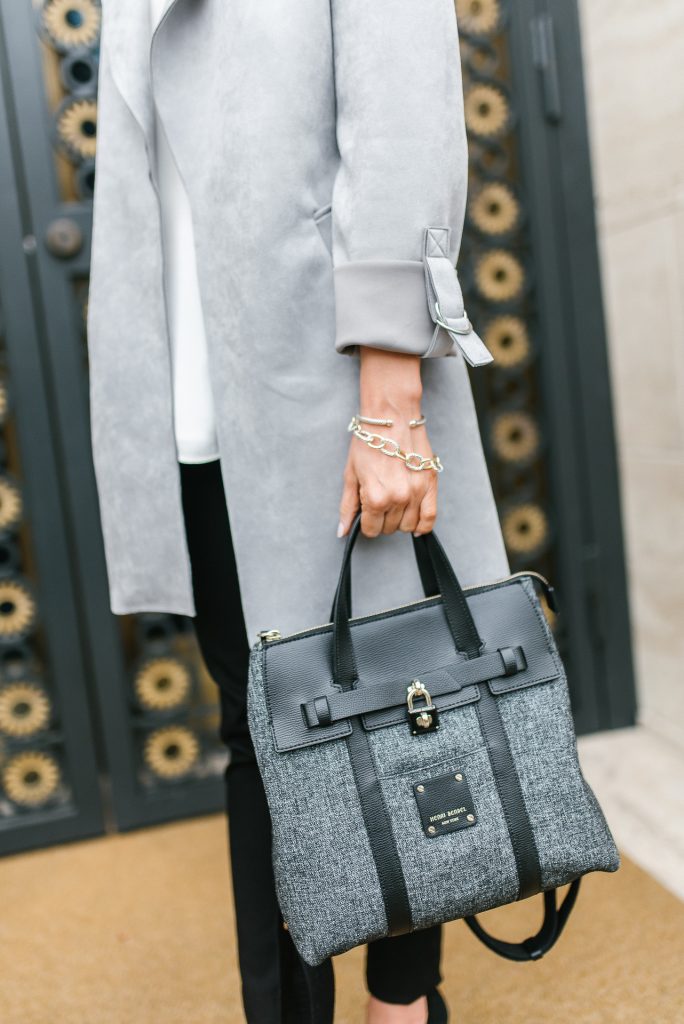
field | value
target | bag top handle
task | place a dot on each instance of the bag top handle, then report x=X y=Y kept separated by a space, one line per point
x=458 y=615
x=427 y=578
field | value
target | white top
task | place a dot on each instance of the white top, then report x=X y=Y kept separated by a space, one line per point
x=193 y=404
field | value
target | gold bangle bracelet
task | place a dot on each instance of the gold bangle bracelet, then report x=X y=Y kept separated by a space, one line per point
x=420 y=422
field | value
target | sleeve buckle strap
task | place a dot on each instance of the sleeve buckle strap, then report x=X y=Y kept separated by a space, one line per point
x=445 y=302
x=462 y=326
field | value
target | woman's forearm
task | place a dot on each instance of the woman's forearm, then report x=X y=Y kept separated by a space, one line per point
x=389 y=385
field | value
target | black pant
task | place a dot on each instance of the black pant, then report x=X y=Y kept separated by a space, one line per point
x=277 y=986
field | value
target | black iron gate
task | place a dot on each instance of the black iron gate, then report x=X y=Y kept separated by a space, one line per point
x=115 y=718
x=534 y=288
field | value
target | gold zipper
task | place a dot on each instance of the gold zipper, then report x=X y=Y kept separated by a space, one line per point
x=268 y=635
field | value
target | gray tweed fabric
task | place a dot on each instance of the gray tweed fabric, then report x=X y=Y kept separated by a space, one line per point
x=325 y=873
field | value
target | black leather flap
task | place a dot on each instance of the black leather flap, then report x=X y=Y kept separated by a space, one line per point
x=399 y=646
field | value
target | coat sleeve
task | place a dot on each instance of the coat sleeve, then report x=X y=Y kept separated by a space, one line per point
x=400 y=190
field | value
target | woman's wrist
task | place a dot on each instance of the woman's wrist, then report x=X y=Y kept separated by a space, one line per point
x=399 y=492
x=390 y=385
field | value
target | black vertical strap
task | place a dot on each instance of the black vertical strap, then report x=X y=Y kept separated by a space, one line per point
x=458 y=614
x=376 y=819
x=426 y=569
x=508 y=784
x=379 y=829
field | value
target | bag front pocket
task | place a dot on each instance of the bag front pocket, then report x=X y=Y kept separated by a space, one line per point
x=464 y=866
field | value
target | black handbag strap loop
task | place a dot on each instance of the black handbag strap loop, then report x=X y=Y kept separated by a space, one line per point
x=534 y=948
x=439 y=578
x=427 y=578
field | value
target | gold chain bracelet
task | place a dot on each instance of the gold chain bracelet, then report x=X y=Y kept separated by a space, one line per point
x=388 y=446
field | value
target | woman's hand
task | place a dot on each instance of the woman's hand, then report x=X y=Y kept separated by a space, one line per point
x=390 y=496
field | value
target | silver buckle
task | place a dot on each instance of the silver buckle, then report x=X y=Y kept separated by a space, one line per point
x=439 y=319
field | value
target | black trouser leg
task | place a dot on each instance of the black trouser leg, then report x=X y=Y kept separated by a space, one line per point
x=278 y=988
x=401 y=969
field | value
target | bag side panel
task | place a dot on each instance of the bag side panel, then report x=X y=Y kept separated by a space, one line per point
x=569 y=827
x=318 y=836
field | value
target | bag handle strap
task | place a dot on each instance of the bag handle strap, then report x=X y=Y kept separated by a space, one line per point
x=427 y=578
x=459 y=618
x=534 y=948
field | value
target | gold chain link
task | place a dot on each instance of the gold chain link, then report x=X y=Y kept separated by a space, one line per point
x=388 y=446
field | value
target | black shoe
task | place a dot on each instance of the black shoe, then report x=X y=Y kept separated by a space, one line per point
x=437 y=1008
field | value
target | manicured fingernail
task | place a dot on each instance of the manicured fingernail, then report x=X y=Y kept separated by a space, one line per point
x=416 y=534
x=340 y=529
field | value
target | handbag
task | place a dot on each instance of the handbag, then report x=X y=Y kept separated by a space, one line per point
x=420 y=764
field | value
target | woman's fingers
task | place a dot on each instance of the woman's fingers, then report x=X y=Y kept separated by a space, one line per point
x=384 y=501
x=349 y=503
x=428 y=510
x=372 y=519
x=393 y=517
x=411 y=516
x=373 y=508
x=397 y=500
x=390 y=497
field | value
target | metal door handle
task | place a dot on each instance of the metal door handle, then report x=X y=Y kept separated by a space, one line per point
x=544 y=59
x=64 y=238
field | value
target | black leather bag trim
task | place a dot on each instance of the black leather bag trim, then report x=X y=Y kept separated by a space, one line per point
x=337 y=731
x=380 y=836
x=297 y=669
x=446 y=681
x=445 y=803
x=508 y=785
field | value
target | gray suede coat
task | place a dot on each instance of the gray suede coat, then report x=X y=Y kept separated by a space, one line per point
x=323 y=148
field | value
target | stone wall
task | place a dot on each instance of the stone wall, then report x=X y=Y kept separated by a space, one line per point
x=634 y=66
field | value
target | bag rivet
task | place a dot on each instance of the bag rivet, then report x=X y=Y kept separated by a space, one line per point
x=421 y=789
x=470 y=817
x=431 y=829
x=459 y=777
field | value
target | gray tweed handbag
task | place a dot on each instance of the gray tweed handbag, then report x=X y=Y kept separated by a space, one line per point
x=420 y=765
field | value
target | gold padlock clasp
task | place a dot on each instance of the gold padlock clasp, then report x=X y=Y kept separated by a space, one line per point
x=417 y=689
x=422 y=719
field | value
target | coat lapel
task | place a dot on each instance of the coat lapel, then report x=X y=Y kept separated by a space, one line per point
x=127 y=36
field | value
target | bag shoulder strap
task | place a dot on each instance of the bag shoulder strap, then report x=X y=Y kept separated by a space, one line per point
x=534 y=948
